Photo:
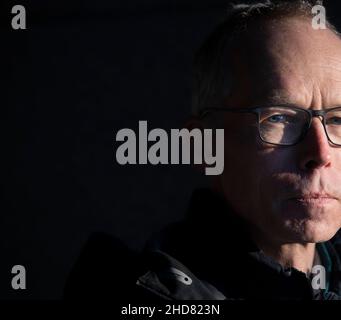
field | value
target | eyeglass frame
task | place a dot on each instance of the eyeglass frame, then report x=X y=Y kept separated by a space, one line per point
x=257 y=111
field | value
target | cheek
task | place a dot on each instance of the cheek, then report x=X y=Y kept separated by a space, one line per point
x=249 y=168
x=277 y=166
x=259 y=181
x=244 y=178
x=336 y=160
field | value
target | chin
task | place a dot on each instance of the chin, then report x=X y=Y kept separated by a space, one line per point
x=298 y=222
x=310 y=231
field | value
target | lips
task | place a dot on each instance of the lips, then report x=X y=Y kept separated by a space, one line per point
x=312 y=196
x=315 y=198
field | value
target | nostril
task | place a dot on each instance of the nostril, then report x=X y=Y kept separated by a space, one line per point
x=317 y=162
x=311 y=164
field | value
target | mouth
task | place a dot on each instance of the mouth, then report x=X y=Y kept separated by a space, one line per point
x=313 y=199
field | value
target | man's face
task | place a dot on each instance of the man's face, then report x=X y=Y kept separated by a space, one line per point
x=286 y=62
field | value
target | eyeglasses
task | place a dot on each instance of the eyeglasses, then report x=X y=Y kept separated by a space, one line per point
x=288 y=125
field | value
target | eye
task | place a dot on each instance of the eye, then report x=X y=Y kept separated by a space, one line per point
x=334 y=121
x=279 y=118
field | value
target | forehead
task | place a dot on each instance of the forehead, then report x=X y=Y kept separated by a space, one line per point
x=289 y=60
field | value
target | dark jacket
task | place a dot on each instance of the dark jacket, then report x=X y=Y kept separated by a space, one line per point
x=209 y=255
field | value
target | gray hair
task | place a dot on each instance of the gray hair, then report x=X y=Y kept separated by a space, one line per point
x=212 y=81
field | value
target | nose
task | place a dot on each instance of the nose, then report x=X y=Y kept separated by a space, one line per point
x=315 y=148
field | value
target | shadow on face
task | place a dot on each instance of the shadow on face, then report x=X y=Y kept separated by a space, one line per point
x=286 y=193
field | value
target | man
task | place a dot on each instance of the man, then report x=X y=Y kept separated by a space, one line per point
x=273 y=82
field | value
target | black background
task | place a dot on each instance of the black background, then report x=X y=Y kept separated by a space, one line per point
x=80 y=72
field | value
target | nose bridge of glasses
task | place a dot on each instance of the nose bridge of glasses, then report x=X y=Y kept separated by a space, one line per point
x=318 y=114
x=321 y=115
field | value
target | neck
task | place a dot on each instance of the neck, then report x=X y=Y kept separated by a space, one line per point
x=297 y=255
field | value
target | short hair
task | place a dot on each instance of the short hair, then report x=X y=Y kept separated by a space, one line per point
x=211 y=77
